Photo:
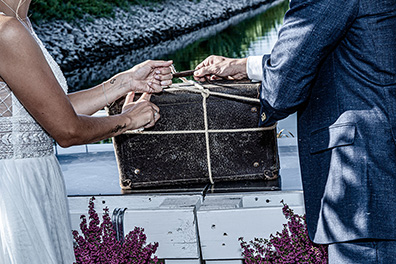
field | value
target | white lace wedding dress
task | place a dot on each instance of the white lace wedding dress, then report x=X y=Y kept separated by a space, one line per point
x=34 y=216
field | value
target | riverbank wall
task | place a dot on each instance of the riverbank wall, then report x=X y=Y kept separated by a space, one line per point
x=89 y=41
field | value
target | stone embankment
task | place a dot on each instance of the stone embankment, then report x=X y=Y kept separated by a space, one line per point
x=87 y=41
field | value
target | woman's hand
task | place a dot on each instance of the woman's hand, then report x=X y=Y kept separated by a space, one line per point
x=147 y=77
x=143 y=113
x=151 y=76
x=218 y=67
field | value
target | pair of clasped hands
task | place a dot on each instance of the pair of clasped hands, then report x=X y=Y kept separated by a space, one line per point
x=156 y=75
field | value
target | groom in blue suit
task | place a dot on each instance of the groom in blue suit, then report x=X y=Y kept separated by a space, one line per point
x=335 y=64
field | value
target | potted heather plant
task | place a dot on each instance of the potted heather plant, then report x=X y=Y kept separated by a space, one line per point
x=292 y=245
x=98 y=244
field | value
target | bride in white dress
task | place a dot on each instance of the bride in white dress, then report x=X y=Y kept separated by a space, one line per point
x=34 y=108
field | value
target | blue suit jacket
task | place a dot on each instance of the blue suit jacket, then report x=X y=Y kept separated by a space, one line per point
x=335 y=64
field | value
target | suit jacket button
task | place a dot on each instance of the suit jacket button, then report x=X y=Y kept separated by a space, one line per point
x=263 y=117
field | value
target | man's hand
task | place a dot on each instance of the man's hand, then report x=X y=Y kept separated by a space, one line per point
x=218 y=67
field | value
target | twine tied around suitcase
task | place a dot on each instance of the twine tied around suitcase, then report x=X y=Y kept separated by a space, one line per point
x=195 y=87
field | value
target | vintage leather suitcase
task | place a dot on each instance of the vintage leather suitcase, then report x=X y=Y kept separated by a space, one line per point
x=176 y=152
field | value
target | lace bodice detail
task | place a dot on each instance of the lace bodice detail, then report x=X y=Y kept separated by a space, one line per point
x=20 y=135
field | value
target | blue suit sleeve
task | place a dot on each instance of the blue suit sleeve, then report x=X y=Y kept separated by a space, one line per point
x=311 y=30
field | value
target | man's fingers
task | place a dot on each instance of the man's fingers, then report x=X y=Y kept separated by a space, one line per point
x=204 y=63
x=214 y=78
x=209 y=70
x=201 y=72
x=199 y=66
x=200 y=79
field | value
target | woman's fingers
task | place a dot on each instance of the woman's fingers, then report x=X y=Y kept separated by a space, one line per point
x=163 y=70
x=159 y=63
x=129 y=98
x=144 y=96
x=157 y=86
x=154 y=111
x=142 y=112
x=163 y=77
x=152 y=120
x=150 y=76
x=156 y=108
x=147 y=97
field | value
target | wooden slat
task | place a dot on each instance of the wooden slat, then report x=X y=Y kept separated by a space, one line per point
x=174 y=229
x=183 y=261
x=272 y=199
x=223 y=261
x=219 y=229
x=167 y=219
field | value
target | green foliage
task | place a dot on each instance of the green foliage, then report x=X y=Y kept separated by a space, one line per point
x=69 y=10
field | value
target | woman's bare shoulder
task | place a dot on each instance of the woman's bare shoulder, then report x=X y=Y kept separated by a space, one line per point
x=12 y=33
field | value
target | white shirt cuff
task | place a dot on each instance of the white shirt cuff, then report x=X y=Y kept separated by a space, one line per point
x=254 y=68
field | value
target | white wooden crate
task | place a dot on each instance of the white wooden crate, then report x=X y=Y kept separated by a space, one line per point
x=241 y=215
x=169 y=220
x=193 y=230
x=235 y=261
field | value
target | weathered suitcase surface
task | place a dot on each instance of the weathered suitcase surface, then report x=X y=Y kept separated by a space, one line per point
x=174 y=152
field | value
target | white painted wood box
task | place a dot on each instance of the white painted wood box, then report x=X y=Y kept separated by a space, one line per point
x=192 y=229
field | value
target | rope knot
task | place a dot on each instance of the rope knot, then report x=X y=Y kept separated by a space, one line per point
x=205 y=92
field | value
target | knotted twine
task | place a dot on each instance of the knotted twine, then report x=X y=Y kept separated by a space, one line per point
x=195 y=87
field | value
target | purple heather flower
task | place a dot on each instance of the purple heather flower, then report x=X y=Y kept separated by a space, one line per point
x=292 y=245
x=98 y=244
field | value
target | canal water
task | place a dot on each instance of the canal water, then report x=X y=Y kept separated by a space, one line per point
x=252 y=36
